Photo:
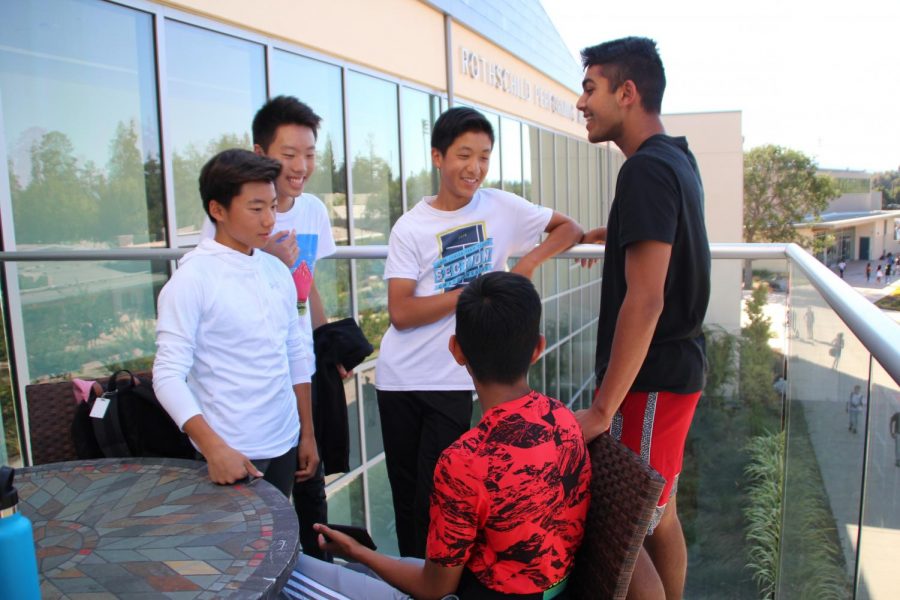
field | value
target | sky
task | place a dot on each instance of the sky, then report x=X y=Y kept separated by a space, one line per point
x=822 y=77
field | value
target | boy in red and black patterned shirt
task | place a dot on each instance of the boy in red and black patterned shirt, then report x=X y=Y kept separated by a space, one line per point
x=511 y=495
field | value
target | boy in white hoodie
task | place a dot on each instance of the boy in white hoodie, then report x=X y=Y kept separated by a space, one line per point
x=231 y=368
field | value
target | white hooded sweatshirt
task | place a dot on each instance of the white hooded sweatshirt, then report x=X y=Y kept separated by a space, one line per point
x=229 y=347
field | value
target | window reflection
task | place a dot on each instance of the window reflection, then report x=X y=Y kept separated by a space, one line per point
x=493 y=176
x=511 y=134
x=375 y=161
x=93 y=180
x=318 y=84
x=215 y=84
x=420 y=111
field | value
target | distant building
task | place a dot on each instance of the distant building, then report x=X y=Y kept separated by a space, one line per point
x=860 y=229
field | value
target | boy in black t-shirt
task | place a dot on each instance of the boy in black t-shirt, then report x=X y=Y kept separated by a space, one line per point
x=650 y=347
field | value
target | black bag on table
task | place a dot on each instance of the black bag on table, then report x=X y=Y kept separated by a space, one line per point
x=134 y=423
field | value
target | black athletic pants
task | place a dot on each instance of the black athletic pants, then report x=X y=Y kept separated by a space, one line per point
x=416 y=428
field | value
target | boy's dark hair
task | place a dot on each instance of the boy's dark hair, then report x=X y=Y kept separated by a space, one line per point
x=455 y=122
x=282 y=110
x=222 y=177
x=634 y=58
x=498 y=321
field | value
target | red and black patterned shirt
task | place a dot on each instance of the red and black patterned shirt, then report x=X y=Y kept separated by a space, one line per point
x=511 y=496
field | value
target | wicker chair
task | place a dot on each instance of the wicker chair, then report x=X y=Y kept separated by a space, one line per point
x=51 y=409
x=624 y=493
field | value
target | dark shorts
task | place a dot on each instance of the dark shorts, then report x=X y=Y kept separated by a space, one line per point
x=655 y=426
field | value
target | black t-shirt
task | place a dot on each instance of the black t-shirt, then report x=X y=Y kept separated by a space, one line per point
x=659 y=197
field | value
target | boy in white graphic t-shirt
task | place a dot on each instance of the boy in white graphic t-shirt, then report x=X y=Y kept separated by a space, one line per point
x=435 y=249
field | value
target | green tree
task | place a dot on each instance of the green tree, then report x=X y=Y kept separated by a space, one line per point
x=888 y=183
x=758 y=360
x=60 y=203
x=781 y=188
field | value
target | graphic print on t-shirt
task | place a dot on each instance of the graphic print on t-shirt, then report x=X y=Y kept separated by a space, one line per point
x=307 y=244
x=465 y=253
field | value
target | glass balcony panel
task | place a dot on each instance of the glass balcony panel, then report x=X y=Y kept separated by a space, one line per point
x=346 y=504
x=825 y=449
x=879 y=540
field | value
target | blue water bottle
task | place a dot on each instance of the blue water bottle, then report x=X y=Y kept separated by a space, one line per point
x=18 y=563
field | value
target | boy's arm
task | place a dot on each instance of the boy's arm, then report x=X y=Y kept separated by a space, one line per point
x=307 y=451
x=564 y=232
x=408 y=310
x=425 y=582
x=225 y=464
x=316 y=310
x=646 y=265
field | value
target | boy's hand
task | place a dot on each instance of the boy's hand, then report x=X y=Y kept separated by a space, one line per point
x=307 y=458
x=344 y=373
x=283 y=245
x=226 y=465
x=337 y=543
x=594 y=236
x=592 y=423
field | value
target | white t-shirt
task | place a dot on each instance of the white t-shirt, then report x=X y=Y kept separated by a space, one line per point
x=309 y=219
x=442 y=250
x=229 y=347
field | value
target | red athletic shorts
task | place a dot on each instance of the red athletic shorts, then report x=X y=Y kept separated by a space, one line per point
x=655 y=426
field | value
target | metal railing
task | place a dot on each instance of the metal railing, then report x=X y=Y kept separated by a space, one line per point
x=879 y=334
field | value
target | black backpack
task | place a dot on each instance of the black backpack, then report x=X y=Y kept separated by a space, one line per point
x=134 y=423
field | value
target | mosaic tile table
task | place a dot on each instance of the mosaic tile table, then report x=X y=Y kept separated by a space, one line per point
x=155 y=528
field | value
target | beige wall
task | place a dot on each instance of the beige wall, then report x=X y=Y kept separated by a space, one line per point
x=716 y=139
x=476 y=85
x=378 y=34
x=858 y=201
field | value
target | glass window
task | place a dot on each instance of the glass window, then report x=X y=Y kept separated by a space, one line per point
x=318 y=84
x=80 y=118
x=10 y=450
x=375 y=162
x=80 y=122
x=493 y=176
x=375 y=148
x=420 y=111
x=215 y=84
x=511 y=134
x=547 y=198
x=562 y=205
x=86 y=319
x=531 y=166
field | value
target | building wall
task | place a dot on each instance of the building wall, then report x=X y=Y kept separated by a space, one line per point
x=716 y=139
x=378 y=34
x=855 y=201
